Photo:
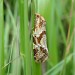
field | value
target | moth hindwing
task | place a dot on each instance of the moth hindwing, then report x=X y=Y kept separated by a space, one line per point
x=39 y=39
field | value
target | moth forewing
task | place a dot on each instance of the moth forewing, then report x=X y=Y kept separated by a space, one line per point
x=39 y=39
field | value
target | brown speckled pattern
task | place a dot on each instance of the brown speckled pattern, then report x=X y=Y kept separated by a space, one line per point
x=39 y=39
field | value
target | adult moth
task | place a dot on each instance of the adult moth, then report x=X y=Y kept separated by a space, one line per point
x=39 y=39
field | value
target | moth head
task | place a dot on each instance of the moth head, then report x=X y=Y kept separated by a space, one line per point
x=40 y=20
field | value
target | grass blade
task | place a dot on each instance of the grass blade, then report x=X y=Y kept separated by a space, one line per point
x=1 y=39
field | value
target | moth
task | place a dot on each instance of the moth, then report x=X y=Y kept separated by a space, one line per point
x=39 y=39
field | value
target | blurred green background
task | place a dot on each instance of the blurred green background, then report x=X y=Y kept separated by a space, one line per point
x=16 y=41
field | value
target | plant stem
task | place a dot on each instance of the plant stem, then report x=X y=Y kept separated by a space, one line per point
x=1 y=39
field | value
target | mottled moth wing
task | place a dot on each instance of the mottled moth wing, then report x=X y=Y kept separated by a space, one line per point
x=39 y=39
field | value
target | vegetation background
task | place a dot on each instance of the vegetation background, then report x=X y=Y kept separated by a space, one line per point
x=16 y=43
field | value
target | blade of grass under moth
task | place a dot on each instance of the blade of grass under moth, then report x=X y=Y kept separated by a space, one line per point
x=47 y=10
x=24 y=36
x=35 y=65
x=1 y=39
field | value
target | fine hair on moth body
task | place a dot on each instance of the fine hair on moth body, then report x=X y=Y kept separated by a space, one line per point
x=39 y=39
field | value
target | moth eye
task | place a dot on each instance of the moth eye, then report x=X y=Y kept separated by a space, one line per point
x=37 y=16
